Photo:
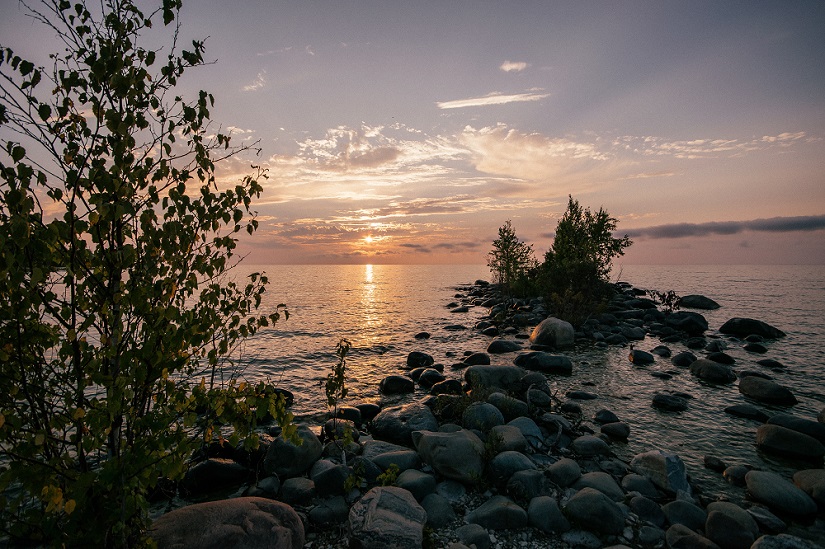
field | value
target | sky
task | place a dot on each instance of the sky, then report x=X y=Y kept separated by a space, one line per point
x=409 y=132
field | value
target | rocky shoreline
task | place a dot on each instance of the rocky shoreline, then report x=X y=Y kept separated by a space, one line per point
x=493 y=457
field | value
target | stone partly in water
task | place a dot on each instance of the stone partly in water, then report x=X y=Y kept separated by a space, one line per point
x=812 y=482
x=387 y=518
x=665 y=470
x=748 y=412
x=695 y=301
x=481 y=376
x=786 y=442
x=396 y=424
x=693 y=324
x=799 y=424
x=553 y=332
x=396 y=385
x=711 y=371
x=743 y=327
x=766 y=391
x=670 y=403
x=500 y=346
x=545 y=362
x=779 y=494
x=214 y=525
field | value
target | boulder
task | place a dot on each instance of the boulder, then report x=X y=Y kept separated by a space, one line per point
x=510 y=437
x=784 y=541
x=785 y=442
x=506 y=464
x=396 y=385
x=528 y=484
x=430 y=377
x=617 y=430
x=564 y=472
x=693 y=324
x=212 y=475
x=669 y=403
x=387 y=517
x=540 y=361
x=680 y=536
x=730 y=526
x=248 y=522
x=605 y=416
x=683 y=359
x=418 y=483
x=510 y=407
x=695 y=301
x=396 y=424
x=713 y=372
x=640 y=357
x=457 y=455
x=297 y=491
x=439 y=511
x=500 y=346
x=417 y=359
x=498 y=513
x=632 y=482
x=447 y=387
x=800 y=425
x=481 y=416
x=665 y=470
x=602 y=482
x=594 y=511
x=553 y=332
x=477 y=359
x=504 y=377
x=748 y=412
x=403 y=459
x=589 y=445
x=473 y=534
x=685 y=513
x=329 y=478
x=647 y=510
x=329 y=512
x=285 y=459
x=812 y=482
x=765 y=390
x=544 y=514
x=779 y=494
x=742 y=327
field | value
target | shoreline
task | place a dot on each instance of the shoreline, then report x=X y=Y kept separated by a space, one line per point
x=561 y=496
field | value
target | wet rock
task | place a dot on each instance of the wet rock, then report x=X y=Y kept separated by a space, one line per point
x=285 y=459
x=509 y=407
x=387 y=518
x=686 y=514
x=680 y=536
x=812 y=482
x=665 y=470
x=430 y=377
x=589 y=445
x=721 y=358
x=447 y=387
x=712 y=372
x=662 y=351
x=696 y=301
x=544 y=514
x=801 y=425
x=456 y=455
x=477 y=359
x=670 y=403
x=605 y=416
x=581 y=395
x=547 y=363
x=735 y=474
x=368 y=410
x=418 y=483
x=481 y=416
x=693 y=324
x=504 y=377
x=553 y=332
x=696 y=343
x=755 y=348
x=647 y=510
x=747 y=326
x=748 y=412
x=564 y=472
x=498 y=513
x=417 y=359
x=766 y=391
x=500 y=346
x=422 y=335
x=396 y=385
x=633 y=482
x=214 y=525
x=778 y=494
x=639 y=357
x=439 y=511
x=730 y=526
x=683 y=359
x=617 y=430
x=714 y=464
x=396 y=424
x=594 y=511
x=785 y=442
x=602 y=482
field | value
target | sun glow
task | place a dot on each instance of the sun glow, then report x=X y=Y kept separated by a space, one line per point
x=369 y=239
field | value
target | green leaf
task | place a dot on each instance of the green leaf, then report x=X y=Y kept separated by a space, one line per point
x=17 y=153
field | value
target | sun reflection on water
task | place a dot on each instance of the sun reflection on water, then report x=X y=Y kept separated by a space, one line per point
x=370 y=303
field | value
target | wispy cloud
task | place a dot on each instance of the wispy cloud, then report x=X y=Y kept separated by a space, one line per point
x=771 y=225
x=257 y=84
x=492 y=99
x=513 y=66
x=708 y=147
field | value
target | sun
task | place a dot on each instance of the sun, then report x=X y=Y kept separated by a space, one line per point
x=369 y=239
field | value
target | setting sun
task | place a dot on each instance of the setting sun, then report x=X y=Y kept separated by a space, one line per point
x=369 y=239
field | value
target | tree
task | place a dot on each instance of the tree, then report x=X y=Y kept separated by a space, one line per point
x=118 y=317
x=510 y=260
x=576 y=268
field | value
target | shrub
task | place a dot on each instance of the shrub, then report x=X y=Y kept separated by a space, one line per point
x=511 y=261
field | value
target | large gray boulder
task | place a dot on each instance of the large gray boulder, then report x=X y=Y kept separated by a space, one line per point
x=665 y=470
x=594 y=511
x=498 y=513
x=544 y=514
x=248 y=522
x=744 y=327
x=396 y=424
x=547 y=363
x=785 y=442
x=553 y=332
x=457 y=455
x=481 y=416
x=730 y=526
x=711 y=371
x=695 y=301
x=506 y=464
x=285 y=459
x=779 y=494
x=387 y=517
x=765 y=390
x=807 y=426
x=602 y=482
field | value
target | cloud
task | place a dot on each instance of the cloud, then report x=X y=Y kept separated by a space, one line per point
x=492 y=99
x=771 y=225
x=513 y=66
x=706 y=148
x=257 y=84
